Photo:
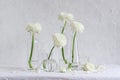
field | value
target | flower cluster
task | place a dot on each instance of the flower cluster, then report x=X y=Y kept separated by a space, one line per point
x=59 y=40
x=77 y=26
x=65 y=16
x=88 y=67
x=91 y=67
x=34 y=27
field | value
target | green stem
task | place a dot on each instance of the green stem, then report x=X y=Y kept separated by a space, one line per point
x=63 y=55
x=65 y=61
x=31 y=53
x=73 y=44
x=51 y=52
x=64 y=27
x=69 y=65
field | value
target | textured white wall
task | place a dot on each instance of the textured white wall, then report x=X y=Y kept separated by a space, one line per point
x=100 y=40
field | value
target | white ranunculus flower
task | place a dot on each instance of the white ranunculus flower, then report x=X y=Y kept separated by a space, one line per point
x=34 y=27
x=63 y=69
x=89 y=67
x=65 y=16
x=59 y=40
x=77 y=26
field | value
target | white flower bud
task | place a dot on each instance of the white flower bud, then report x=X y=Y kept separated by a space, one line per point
x=59 y=40
x=89 y=67
x=63 y=70
x=65 y=16
x=34 y=27
x=77 y=26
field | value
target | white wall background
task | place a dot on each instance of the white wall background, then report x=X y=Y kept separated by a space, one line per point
x=100 y=40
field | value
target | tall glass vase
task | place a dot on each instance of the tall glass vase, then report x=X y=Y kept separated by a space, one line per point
x=75 y=62
x=33 y=52
x=62 y=58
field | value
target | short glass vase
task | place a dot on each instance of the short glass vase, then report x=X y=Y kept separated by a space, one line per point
x=49 y=65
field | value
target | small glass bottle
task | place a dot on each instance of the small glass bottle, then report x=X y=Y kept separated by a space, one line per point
x=49 y=64
x=75 y=65
x=33 y=57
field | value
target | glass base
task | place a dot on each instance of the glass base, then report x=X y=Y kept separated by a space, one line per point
x=75 y=66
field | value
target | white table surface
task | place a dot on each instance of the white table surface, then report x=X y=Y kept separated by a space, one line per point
x=112 y=72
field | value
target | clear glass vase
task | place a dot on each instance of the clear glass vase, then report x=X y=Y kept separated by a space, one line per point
x=75 y=65
x=62 y=59
x=35 y=53
x=49 y=65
